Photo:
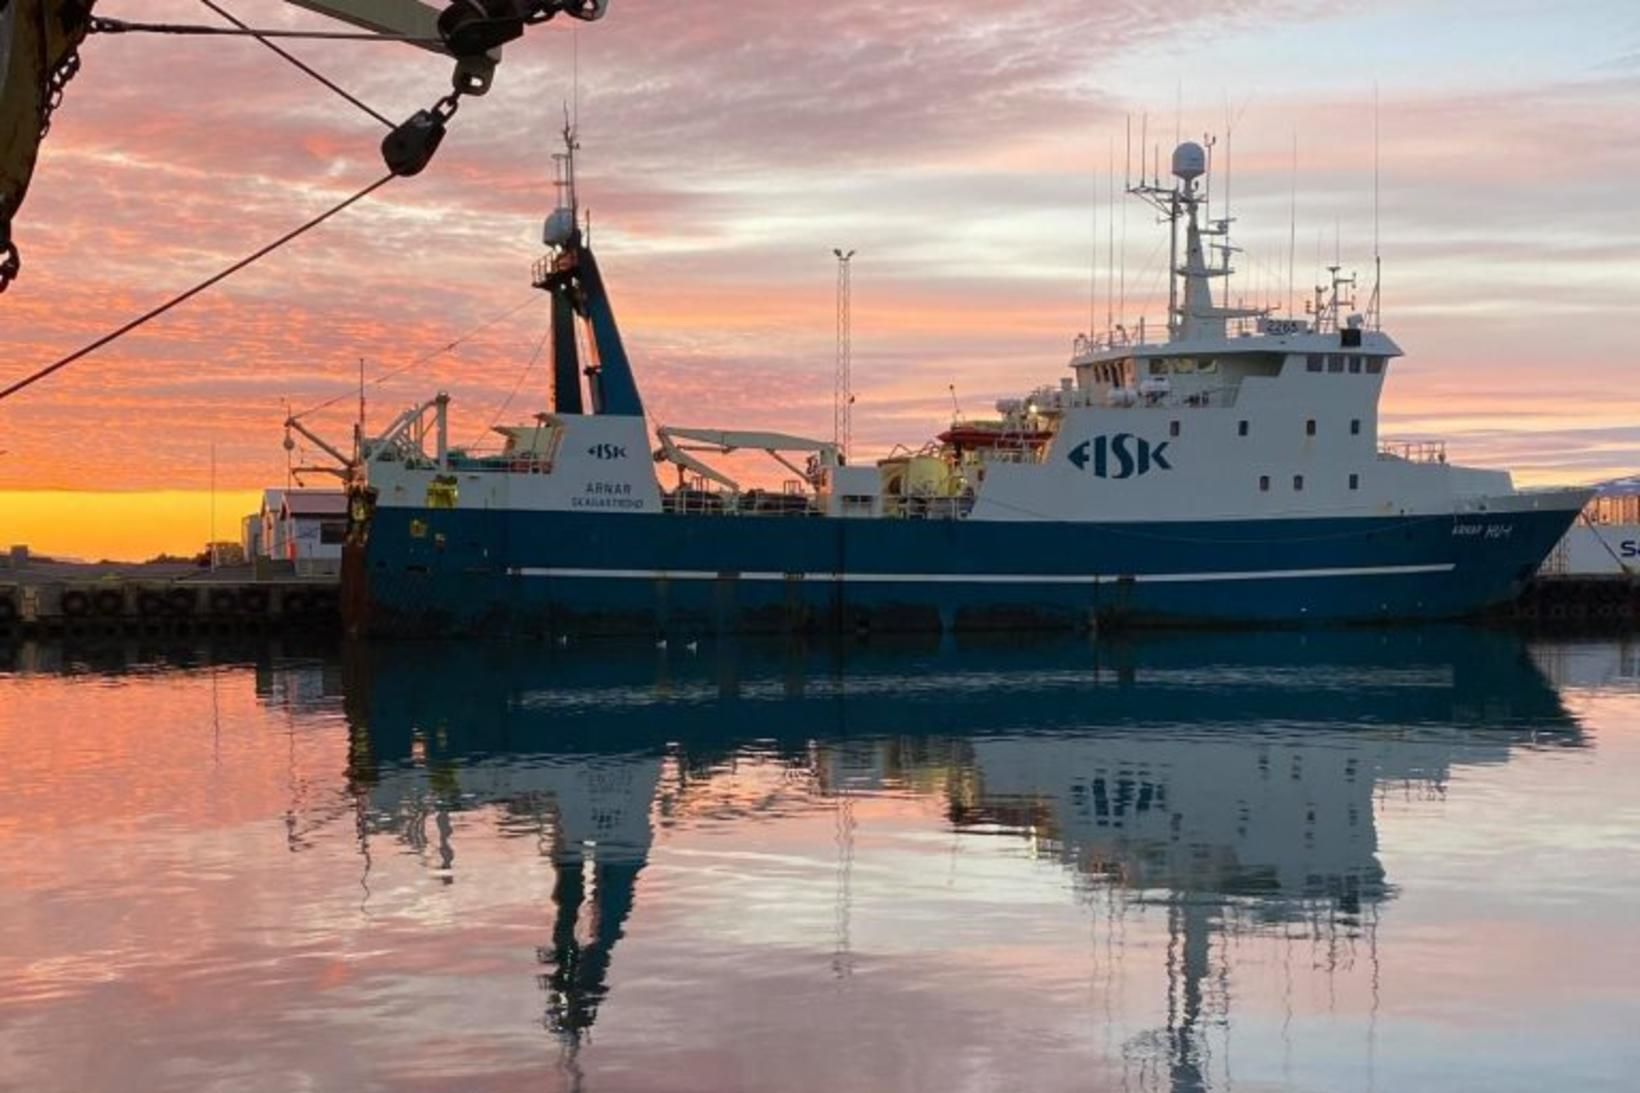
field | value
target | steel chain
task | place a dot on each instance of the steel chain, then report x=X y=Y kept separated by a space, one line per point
x=11 y=264
x=56 y=83
x=64 y=71
x=446 y=107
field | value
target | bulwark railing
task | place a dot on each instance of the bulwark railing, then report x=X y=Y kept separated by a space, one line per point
x=1414 y=451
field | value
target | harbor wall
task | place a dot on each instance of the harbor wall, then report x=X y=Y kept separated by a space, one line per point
x=121 y=605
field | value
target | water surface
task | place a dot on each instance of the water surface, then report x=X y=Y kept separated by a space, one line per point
x=1397 y=860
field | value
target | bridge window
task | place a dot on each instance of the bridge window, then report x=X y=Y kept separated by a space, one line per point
x=1309 y=427
x=1375 y=365
x=1355 y=426
x=1314 y=363
x=1173 y=428
x=1241 y=428
x=1298 y=482
x=1355 y=481
x=1264 y=483
x=1355 y=364
x=1335 y=362
x=1158 y=366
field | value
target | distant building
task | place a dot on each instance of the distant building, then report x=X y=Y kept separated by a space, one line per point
x=270 y=543
x=250 y=536
x=312 y=526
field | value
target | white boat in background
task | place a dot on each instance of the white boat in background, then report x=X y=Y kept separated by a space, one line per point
x=1605 y=539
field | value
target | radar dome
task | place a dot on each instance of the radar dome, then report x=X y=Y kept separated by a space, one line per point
x=559 y=228
x=1189 y=161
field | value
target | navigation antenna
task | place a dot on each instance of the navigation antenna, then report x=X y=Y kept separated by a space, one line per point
x=1375 y=308
x=842 y=399
x=563 y=181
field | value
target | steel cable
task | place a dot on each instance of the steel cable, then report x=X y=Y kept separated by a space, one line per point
x=154 y=313
x=424 y=358
x=103 y=25
x=517 y=386
x=303 y=66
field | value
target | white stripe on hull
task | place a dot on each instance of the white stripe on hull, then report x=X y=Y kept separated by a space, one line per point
x=982 y=578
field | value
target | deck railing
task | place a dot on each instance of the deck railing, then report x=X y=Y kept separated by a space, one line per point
x=1414 y=451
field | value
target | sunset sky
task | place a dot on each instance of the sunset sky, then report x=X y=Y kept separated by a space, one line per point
x=963 y=149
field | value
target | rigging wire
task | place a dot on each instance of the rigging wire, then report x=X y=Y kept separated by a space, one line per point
x=424 y=358
x=518 y=386
x=156 y=312
x=299 y=63
x=104 y=25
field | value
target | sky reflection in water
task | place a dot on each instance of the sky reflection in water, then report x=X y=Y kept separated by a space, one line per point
x=1331 y=861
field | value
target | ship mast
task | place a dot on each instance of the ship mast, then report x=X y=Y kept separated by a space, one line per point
x=570 y=273
x=1194 y=316
x=560 y=233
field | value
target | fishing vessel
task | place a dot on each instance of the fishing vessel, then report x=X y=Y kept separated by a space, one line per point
x=1225 y=470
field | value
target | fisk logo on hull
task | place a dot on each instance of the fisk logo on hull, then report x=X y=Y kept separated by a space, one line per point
x=607 y=451
x=1121 y=456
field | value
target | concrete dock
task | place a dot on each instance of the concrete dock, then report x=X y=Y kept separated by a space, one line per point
x=83 y=601
x=1579 y=602
x=50 y=601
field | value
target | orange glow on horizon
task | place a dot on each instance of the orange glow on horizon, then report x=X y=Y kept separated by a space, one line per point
x=120 y=526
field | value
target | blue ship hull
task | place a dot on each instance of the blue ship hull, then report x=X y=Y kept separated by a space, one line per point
x=449 y=571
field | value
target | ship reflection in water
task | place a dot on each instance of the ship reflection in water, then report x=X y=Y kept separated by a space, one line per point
x=1180 y=862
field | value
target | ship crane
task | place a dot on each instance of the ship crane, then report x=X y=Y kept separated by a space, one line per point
x=677 y=443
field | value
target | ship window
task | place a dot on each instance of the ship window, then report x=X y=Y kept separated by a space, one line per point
x=1173 y=428
x=1355 y=481
x=1158 y=366
x=1298 y=482
x=1209 y=365
x=1355 y=426
x=1335 y=362
x=1315 y=362
x=1375 y=365
x=1309 y=427
x=1241 y=428
x=1355 y=364
x=1264 y=483
x=1184 y=366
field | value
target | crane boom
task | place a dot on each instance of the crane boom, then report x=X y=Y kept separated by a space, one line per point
x=410 y=18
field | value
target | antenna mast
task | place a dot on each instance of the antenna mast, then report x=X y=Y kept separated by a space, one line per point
x=1292 y=228
x=1093 y=261
x=842 y=401
x=1127 y=185
x=1376 y=310
x=1110 y=234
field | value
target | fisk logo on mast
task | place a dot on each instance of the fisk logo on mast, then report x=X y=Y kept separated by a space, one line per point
x=1121 y=456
